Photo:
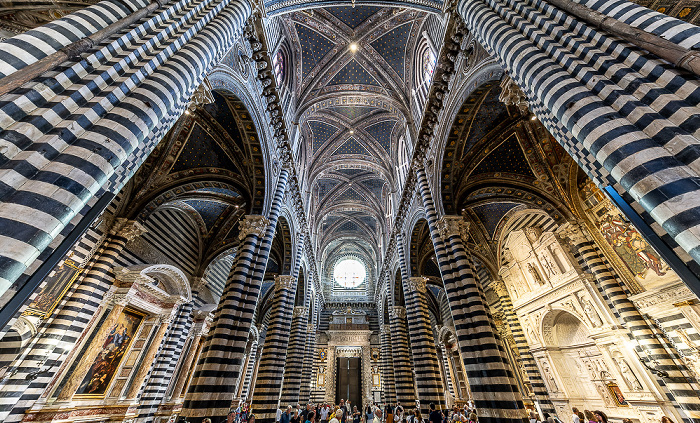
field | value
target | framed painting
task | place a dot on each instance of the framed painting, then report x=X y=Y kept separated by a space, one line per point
x=375 y=380
x=616 y=393
x=112 y=350
x=321 y=380
x=56 y=286
x=375 y=354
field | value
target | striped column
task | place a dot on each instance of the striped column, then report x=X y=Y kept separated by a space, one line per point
x=527 y=360
x=307 y=373
x=403 y=371
x=58 y=339
x=429 y=387
x=212 y=390
x=164 y=365
x=451 y=388
x=491 y=379
x=112 y=123
x=294 y=364
x=266 y=397
x=588 y=256
x=388 y=386
x=597 y=95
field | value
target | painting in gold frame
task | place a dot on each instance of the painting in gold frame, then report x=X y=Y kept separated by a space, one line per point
x=56 y=286
x=112 y=350
x=616 y=393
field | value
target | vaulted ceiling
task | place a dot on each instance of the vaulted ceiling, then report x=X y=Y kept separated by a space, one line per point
x=351 y=73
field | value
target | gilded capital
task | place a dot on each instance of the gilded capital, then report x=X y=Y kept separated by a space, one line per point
x=126 y=228
x=513 y=95
x=574 y=233
x=398 y=311
x=417 y=284
x=450 y=226
x=386 y=329
x=252 y=225
x=300 y=311
x=500 y=287
x=284 y=282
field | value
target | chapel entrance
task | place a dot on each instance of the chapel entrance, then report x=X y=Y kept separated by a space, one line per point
x=348 y=382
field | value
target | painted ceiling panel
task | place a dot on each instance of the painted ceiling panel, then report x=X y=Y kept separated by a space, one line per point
x=351 y=172
x=491 y=214
x=508 y=158
x=353 y=112
x=314 y=47
x=350 y=195
x=491 y=113
x=374 y=186
x=381 y=132
x=353 y=16
x=321 y=132
x=353 y=74
x=392 y=47
x=202 y=151
x=351 y=146
x=209 y=210
x=325 y=186
x=348 y=227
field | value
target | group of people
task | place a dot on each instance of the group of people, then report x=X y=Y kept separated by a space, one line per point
x=598 y=416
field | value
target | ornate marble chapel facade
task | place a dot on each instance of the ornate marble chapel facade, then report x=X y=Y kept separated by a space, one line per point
x=482 y=202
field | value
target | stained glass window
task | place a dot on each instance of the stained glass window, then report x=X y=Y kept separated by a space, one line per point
x=349 y=273
x=278 y=63
x=429 y=61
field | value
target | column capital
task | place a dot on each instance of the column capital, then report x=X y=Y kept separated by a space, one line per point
x=126 y=228
x=311 y=327
x=417 y=284
x=453 y=225
x=252 y=224
x=573 y=232
x=513 y=95
x=386 y=329
x=198 y=283
x=499 y=286
x=300 y=311
x=284 y=282
x=397 y=311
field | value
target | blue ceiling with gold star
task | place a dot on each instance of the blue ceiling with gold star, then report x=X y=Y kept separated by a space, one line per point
x=353 y=16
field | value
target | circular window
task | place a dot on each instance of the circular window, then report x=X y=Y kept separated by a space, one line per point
x=349 y=273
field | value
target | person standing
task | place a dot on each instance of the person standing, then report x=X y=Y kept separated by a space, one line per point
x=435 y=416
x=389 y=411
x=324 y=414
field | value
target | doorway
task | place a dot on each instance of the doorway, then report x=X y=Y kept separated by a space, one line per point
x=348 y=385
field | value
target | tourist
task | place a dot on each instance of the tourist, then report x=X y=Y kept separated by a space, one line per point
x=377 y=415
x=418 y=417
x=435 y=416
x=369 y=413
x=286 y=417
x=665 y=419
x=600 y=417
x=356 y=415
x=296 y=418
x=590 y=418
x=575 y=418
x=337 y=416
x=534 y=417
x=324 y=414
x=389 y=411
x=310 y=417
x=398 y=413
x=472 y=416
x=251 y=418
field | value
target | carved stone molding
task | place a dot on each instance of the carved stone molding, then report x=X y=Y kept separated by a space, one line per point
x=285 y=282
x=669 y=295
x=300 y=311
x=397 y=311
x=574 y=233
x=417 y=284
x=449 y=226
x=126 y=228
x=253 y=225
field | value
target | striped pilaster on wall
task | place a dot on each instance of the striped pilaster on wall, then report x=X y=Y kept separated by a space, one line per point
x=451 y=389
x=403 y=371
x=250 y=368
x=58 y=340
x=103 y=121
x=307 y=373
x=684 y=394
x=268 y=386
x=211 y=391
x=387 y=361
x=429 y=386
x=597 y=95
x=160 y=376
x=491 y=379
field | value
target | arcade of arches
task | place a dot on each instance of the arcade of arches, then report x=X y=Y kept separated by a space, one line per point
x=205 y=203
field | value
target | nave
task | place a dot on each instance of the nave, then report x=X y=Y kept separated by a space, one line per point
x=462 y=211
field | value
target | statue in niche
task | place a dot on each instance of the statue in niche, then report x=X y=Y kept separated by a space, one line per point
x=549 y=267
x=535 y=274
x=631 y=246
x=549 y=377
x=627 y=373
x=593 y=316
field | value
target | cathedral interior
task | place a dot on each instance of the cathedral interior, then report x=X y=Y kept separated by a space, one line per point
x=492 y=203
